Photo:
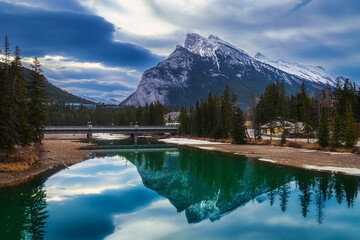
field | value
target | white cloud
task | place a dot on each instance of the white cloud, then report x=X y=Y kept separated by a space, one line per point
x=89 y=78
x=135 y=17
x=57 y=64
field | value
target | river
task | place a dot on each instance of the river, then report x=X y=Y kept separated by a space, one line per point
x=167 y=192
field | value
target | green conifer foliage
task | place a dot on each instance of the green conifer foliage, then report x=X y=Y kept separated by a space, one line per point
x=323 y=130
x=337 y=130
x=7 y=141
x=21 y=129
x=350 y=135
x=184 y=122
x=238 y=126
x=226 y=112
x=37 y=100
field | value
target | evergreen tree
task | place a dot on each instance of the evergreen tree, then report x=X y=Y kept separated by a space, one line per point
x=198 y=123
x=21 y=129
x=337 y=130
x=217 y=130
x=184 y=121
x=283 y=137
x=192 y=116
x=37 y=100
x=7 y=141
x=238 y=126
x=350 y=134
x=226 y=112
x=323 y=130
x=357 y=106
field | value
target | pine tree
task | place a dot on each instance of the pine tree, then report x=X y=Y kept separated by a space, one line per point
x=192 y=116
x=238 y=126
x=217 y=130
x=323 y=130
x=283 y=137
x=7 y=141
x=357 y=106
x=226 y=112
x=21 y=129
x=350 y=134
x=37 y=98
x=184 y=121
x=198 y=123
x=337 y=130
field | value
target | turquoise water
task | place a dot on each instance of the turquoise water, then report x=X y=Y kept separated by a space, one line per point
x=181 y=193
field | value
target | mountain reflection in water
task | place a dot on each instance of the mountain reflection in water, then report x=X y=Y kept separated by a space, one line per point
x=206 y=186
x=99 y=198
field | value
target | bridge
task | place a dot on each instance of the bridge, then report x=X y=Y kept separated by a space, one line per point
x=134 y=131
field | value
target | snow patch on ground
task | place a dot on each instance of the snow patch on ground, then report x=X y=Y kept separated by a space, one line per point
x=337 y=153
x=108 y=136
x=188 y=141
x=348 y=171
x=207 y=148
x=267 y=160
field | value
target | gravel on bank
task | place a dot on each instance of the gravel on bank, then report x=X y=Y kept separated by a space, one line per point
x=344 y=163
x=58 y=152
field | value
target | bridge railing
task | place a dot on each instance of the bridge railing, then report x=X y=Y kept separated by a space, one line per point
x=110 y=129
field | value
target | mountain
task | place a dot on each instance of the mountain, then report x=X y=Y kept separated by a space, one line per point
x=111 y=101
x=206 y=65
x=57 y=94
x=311 y=73
x=189 y=181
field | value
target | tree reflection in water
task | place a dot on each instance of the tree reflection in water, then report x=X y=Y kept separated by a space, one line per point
x=205 y=184
x=23 y=214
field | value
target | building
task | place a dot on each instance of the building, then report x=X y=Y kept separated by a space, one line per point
x=278 y=128
x=172 y=117
x=77 y=106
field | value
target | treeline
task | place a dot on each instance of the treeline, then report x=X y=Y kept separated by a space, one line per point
x=22 y=102
x=331 y=114
x=215 y=117
x=148 y=115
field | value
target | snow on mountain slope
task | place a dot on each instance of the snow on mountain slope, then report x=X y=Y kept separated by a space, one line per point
x=101 y=100
x=311 y=73
x=206 y=65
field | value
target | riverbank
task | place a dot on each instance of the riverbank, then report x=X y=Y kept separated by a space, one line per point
x=56 y=153
x=344 y=163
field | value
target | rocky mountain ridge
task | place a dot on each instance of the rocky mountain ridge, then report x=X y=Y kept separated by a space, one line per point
x=206 y=65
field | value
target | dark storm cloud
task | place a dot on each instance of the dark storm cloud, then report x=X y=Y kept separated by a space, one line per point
x=85 y=37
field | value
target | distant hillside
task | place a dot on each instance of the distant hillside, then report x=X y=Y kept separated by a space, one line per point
x=57 y=94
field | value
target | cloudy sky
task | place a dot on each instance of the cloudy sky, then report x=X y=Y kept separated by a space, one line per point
x=101 y=47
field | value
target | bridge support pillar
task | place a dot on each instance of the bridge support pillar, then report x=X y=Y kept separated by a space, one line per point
x=89 y=136
x=134 y=138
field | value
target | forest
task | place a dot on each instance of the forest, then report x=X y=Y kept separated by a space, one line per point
x=329 y=114
x=214 y=117
x=148 y=115
x=22 y=102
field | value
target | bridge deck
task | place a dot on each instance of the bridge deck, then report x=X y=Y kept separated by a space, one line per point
x=111 y=129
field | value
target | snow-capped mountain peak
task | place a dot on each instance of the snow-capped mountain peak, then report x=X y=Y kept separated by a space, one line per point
x=206 y=65
x=311 y=73
x=259 y=56
x=101 y=100
x=206 y=47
